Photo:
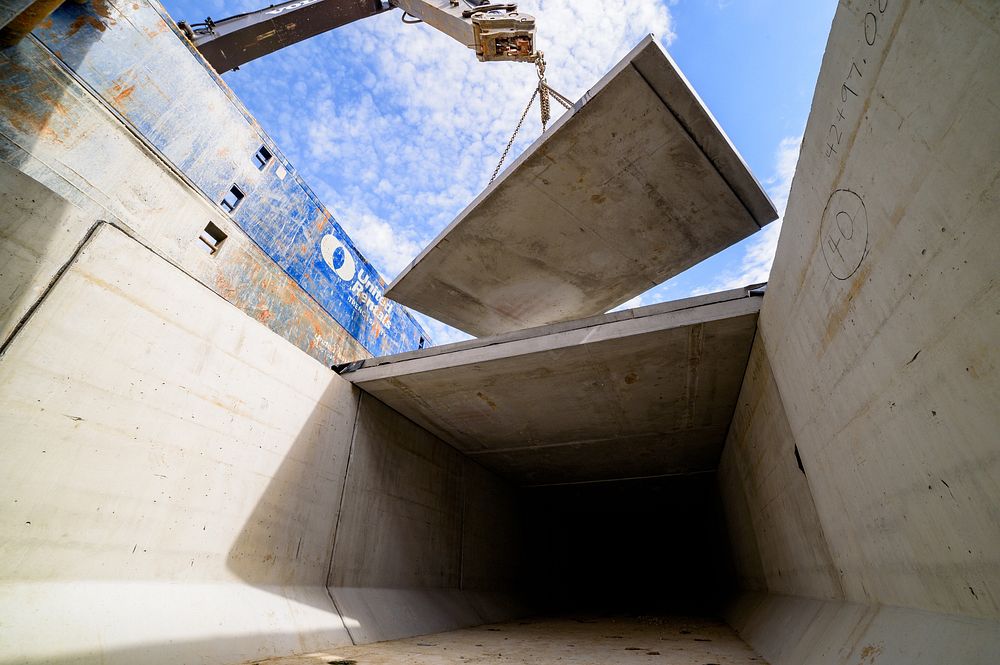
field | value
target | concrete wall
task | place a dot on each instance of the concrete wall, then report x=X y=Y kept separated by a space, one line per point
x=174 y=473
x=876 y=358
x=808 y=631
x=777 y=540
x=794 y=608
x=424 y=537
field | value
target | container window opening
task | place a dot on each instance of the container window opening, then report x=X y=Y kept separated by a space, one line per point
x=232 y=199
x=212 y=238
x=262 y=158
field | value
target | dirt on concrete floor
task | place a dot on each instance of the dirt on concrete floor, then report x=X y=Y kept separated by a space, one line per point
x=583 y=641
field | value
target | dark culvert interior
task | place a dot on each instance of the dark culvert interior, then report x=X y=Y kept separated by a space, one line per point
x=634 y=547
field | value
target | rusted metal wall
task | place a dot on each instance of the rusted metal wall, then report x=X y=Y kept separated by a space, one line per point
x=68 y=141
x=131 y=55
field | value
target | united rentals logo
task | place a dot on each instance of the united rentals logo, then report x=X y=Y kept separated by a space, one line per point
x=338 y=257
x=366 y=291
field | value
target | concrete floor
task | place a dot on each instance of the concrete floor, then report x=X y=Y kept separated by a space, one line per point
x=586 y=641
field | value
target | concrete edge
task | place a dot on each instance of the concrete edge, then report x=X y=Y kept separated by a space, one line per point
x=749 y=291
x=589 y=333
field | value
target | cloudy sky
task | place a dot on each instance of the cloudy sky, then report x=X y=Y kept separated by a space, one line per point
x=397 y=127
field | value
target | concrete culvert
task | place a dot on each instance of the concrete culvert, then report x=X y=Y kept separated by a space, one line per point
x=806 y=474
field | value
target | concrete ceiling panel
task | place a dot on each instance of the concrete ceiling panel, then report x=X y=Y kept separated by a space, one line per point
x=645 y=392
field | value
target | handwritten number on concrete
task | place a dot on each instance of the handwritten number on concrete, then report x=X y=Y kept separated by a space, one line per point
x=844 y=233
x=847 y=92
x=871 y=28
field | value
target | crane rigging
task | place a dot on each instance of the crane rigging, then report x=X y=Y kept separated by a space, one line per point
x=496 y=31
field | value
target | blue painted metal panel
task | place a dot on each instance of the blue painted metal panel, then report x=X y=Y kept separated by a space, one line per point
x=132 y=55
x=51 y=130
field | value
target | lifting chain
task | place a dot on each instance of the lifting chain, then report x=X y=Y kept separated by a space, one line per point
x=544 y=93
x=543 y=90
x=510 y=143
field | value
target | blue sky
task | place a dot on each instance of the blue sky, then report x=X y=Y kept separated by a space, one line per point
x=397 y=127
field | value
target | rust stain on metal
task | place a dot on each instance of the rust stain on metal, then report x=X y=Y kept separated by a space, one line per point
x=122 y=93
x=158 y=30
x=103 y=8
x=224 y=288
x=276 y=301
x=37 y=105
x=85 y=19
x=263 y=311
x=27 y=118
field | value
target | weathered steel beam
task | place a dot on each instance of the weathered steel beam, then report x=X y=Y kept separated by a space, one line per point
x=235 y=41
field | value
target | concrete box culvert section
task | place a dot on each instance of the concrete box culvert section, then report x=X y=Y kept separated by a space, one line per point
x=647 y=394
x=182 y=485
x=633 y=185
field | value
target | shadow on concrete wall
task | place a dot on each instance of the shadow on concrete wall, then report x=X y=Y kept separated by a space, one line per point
x=29 y=224
x=413 y=498
x=289 y=537
x=381 y=505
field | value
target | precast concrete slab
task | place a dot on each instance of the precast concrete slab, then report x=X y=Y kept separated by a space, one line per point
x=632 y=394
x=633 y=185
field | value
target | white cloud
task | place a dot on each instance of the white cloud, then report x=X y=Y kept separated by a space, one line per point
x=440 y=333
x=638 y=301
x=780 y=184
